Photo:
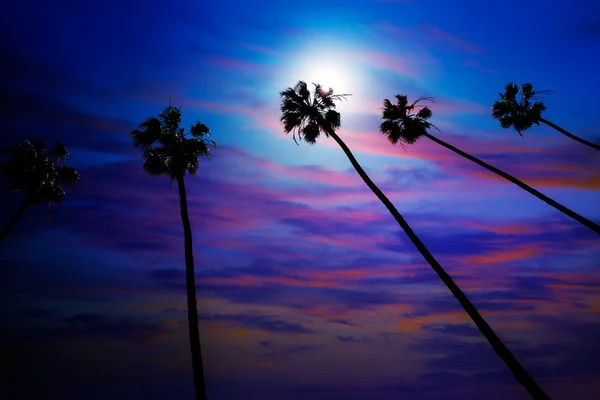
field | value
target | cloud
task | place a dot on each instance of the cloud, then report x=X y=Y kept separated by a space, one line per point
x=454 y=329
x=352 y=339
x=501 y=257
x=381 y=60
x=260 y=322
x=240 y=65
x=539 y=170
x=470 y=63
x=453 y=41
x=89 y=326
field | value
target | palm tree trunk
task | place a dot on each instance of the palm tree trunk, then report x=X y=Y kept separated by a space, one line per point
x=499 y=347
x=6 y=230
x=569 y=134
x=190 y=283
x=582 y=220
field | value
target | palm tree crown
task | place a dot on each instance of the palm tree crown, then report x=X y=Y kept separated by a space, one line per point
x=166 y=149
x=309 y=114
x=517 y=111
x=401 y=123
x=42 y=175
x=521 y=113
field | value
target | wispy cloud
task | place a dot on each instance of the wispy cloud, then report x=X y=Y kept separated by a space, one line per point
x=451 y=40
x=469 y=62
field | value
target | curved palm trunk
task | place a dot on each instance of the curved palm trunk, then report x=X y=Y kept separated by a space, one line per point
x=569 y=134
x=582 y=220
x=190 y=283
x=517 y=370
x=6 y=230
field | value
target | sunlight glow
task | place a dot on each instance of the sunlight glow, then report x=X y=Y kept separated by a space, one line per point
x=329 y=75
x=332 y=63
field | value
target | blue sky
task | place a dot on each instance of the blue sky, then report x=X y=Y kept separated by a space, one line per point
x=306 y=286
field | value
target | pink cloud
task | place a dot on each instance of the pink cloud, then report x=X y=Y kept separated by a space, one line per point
x=448 y=38
x=314 y=173
x=257 y=48
x=511 y=228
x=240 y=64
x=476 y=65
x=452 y=106
x=393 y=29
x=400 y=65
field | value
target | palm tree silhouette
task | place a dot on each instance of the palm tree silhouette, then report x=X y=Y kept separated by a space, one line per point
x=310 y=114
x=43 y=176
x=521 y=114
x=168 y=151
x=402 y=124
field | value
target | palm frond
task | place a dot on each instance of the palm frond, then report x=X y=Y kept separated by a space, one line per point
x=147 y=134
x=167 y=149
x=157 y=162
x=34 y=171
x=519 y=112
x=309 y=133
x=302 y=90
x=199 y=130
x=170 y=119
x=67 y=176
x=400 y=124
x=424 y=113
x=334 y=119
x=420 y=100
x=59 y=151
x=401 y=100
x=308 y=114
x=511 y=91
x=392 y=130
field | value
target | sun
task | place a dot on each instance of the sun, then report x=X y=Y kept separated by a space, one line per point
x=329 y=75
x=332 y=62
x=329 y=63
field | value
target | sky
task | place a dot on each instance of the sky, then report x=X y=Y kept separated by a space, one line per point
x=307 y=287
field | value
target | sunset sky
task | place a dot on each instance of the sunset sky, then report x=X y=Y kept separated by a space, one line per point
x=307 y=287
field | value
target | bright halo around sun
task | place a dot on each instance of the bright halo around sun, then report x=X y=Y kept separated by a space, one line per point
x=329 y=75
x=331 y=64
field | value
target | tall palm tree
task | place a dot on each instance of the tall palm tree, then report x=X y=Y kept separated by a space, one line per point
x=310 y=114
x=42 y=176
x=168 y=151
x=521 y=114
x=402 y=124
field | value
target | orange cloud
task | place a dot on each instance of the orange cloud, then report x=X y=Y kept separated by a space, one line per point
x=504 y=256
x=574 y=182
x=505 y=229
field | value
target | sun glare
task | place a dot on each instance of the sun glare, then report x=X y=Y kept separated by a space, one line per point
x=329 y=75
x=332 y=63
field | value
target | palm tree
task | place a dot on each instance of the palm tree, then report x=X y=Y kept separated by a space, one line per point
x=43 y=176
x=402 y=124
x=310 y=114
x=521 y=114
x=168 y=151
